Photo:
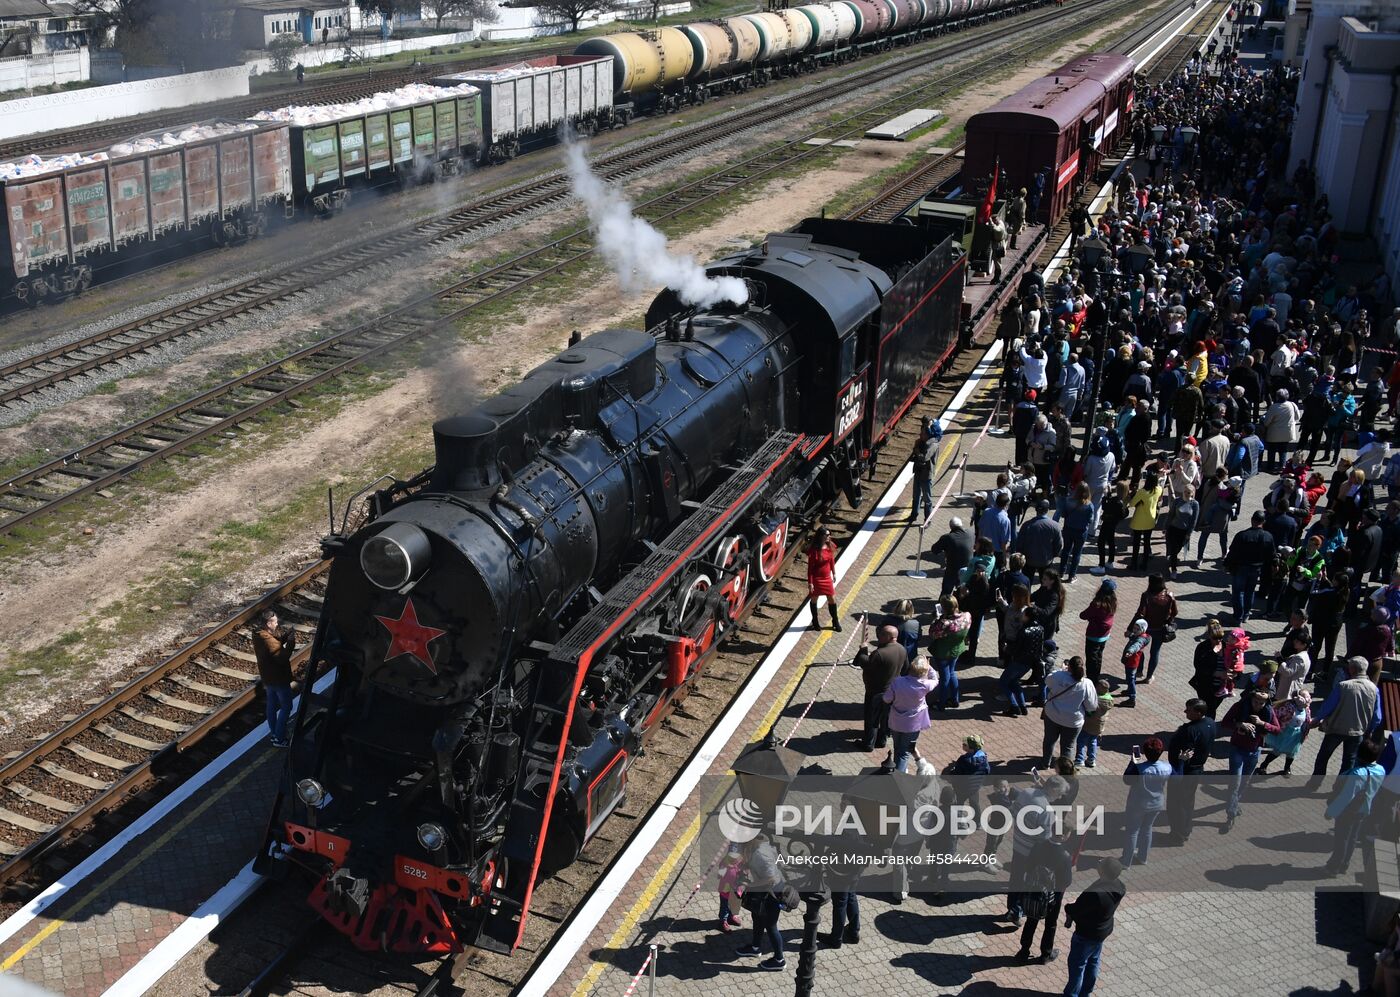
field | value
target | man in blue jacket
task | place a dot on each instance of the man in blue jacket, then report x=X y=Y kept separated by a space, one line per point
x=1146 y=778
x=1352 y=805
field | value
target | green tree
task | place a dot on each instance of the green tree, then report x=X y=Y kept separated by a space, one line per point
x=283 y=50
x=570 y=12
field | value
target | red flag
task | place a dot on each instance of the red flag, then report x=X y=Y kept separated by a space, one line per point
x=984 y=213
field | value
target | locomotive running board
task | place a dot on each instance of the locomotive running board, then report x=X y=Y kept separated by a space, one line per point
x=562 y=675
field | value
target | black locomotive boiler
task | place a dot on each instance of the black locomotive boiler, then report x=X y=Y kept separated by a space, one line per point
x=508 y=627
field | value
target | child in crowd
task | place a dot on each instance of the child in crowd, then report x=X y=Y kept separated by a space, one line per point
x=1294 y=716
x=1086 y=750
x=1134 y=658
x=730 y=867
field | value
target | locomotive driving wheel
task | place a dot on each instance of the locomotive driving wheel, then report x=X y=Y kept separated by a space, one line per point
x=732 y=554
x=695 y=591
x=771 y=550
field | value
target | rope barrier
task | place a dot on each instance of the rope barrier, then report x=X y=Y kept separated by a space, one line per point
x=990 y=419
x=632 y=987
x=840 y=657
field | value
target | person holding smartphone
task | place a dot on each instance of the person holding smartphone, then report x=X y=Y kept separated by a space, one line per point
x=1146 y=778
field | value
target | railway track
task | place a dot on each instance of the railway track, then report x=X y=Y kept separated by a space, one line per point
x=207 y=417
x=21 y=379
x=118 y=745
x=122 y=743
x=87 y=137
x=554 y=898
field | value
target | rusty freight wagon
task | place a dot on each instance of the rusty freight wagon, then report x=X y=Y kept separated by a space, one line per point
x=1058 y=127
x=526 y=102
x=413 y=134
x=67 y=213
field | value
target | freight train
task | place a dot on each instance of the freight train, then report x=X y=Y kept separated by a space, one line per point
x=229 y=180
x=507 y=628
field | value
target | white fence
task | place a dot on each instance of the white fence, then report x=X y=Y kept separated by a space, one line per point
x=48 y=112
x=25 y=72
x=320 y=55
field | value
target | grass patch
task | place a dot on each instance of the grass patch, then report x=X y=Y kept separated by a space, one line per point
x=291 y=515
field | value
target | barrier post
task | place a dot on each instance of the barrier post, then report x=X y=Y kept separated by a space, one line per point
x=918 y=570
x=651 y=990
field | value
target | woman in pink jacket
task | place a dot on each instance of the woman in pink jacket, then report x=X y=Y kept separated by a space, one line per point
x=907 y=696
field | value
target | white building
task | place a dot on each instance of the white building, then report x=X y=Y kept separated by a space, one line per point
x=31 y=27
x=257 y=22
x=1348 y=121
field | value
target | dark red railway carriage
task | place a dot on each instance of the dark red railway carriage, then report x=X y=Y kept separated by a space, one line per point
x=1059 y=125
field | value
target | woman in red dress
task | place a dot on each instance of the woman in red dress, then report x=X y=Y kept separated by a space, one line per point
x=821 y=576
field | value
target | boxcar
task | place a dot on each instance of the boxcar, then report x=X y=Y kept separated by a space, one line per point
x=1059 y=126
x=1038 y=130
x=414 y=134
x=64 y=214
x=1115 y=73
x=529 y=100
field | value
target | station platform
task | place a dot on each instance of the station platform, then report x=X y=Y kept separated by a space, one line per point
x=1199 y=940
x=116 y=922
x=95 y=931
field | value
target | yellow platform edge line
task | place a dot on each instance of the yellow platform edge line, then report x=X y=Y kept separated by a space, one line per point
x=648 y=896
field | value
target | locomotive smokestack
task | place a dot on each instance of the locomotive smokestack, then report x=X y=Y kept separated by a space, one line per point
x=466 y=454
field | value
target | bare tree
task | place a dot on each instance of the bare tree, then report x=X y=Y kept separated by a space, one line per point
x=570 y=12
x=480 y=11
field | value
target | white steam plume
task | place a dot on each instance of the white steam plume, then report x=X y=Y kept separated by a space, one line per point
x=635 y=250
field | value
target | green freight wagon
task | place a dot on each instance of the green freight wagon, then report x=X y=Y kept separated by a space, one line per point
x=413 y=139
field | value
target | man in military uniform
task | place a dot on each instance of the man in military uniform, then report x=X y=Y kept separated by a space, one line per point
x=1016 y=216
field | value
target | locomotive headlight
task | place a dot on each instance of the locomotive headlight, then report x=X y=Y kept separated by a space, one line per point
x=432 y=836
x=393 y=558
x=311 y=792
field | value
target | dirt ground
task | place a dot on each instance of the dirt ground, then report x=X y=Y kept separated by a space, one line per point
x=68 y=589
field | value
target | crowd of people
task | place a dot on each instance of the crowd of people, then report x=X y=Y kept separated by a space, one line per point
x=1204 y=373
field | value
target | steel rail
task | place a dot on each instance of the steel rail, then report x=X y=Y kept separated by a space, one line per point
x=139 y=774
x=138 y=690
x=36 y=372
x=196 y=420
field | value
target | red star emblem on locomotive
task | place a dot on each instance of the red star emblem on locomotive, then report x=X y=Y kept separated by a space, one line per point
x=408 y=636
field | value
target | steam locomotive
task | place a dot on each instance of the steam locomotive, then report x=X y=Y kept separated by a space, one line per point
x=508 y=627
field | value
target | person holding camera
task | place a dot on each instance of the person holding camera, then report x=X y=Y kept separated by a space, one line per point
x=274 y=649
